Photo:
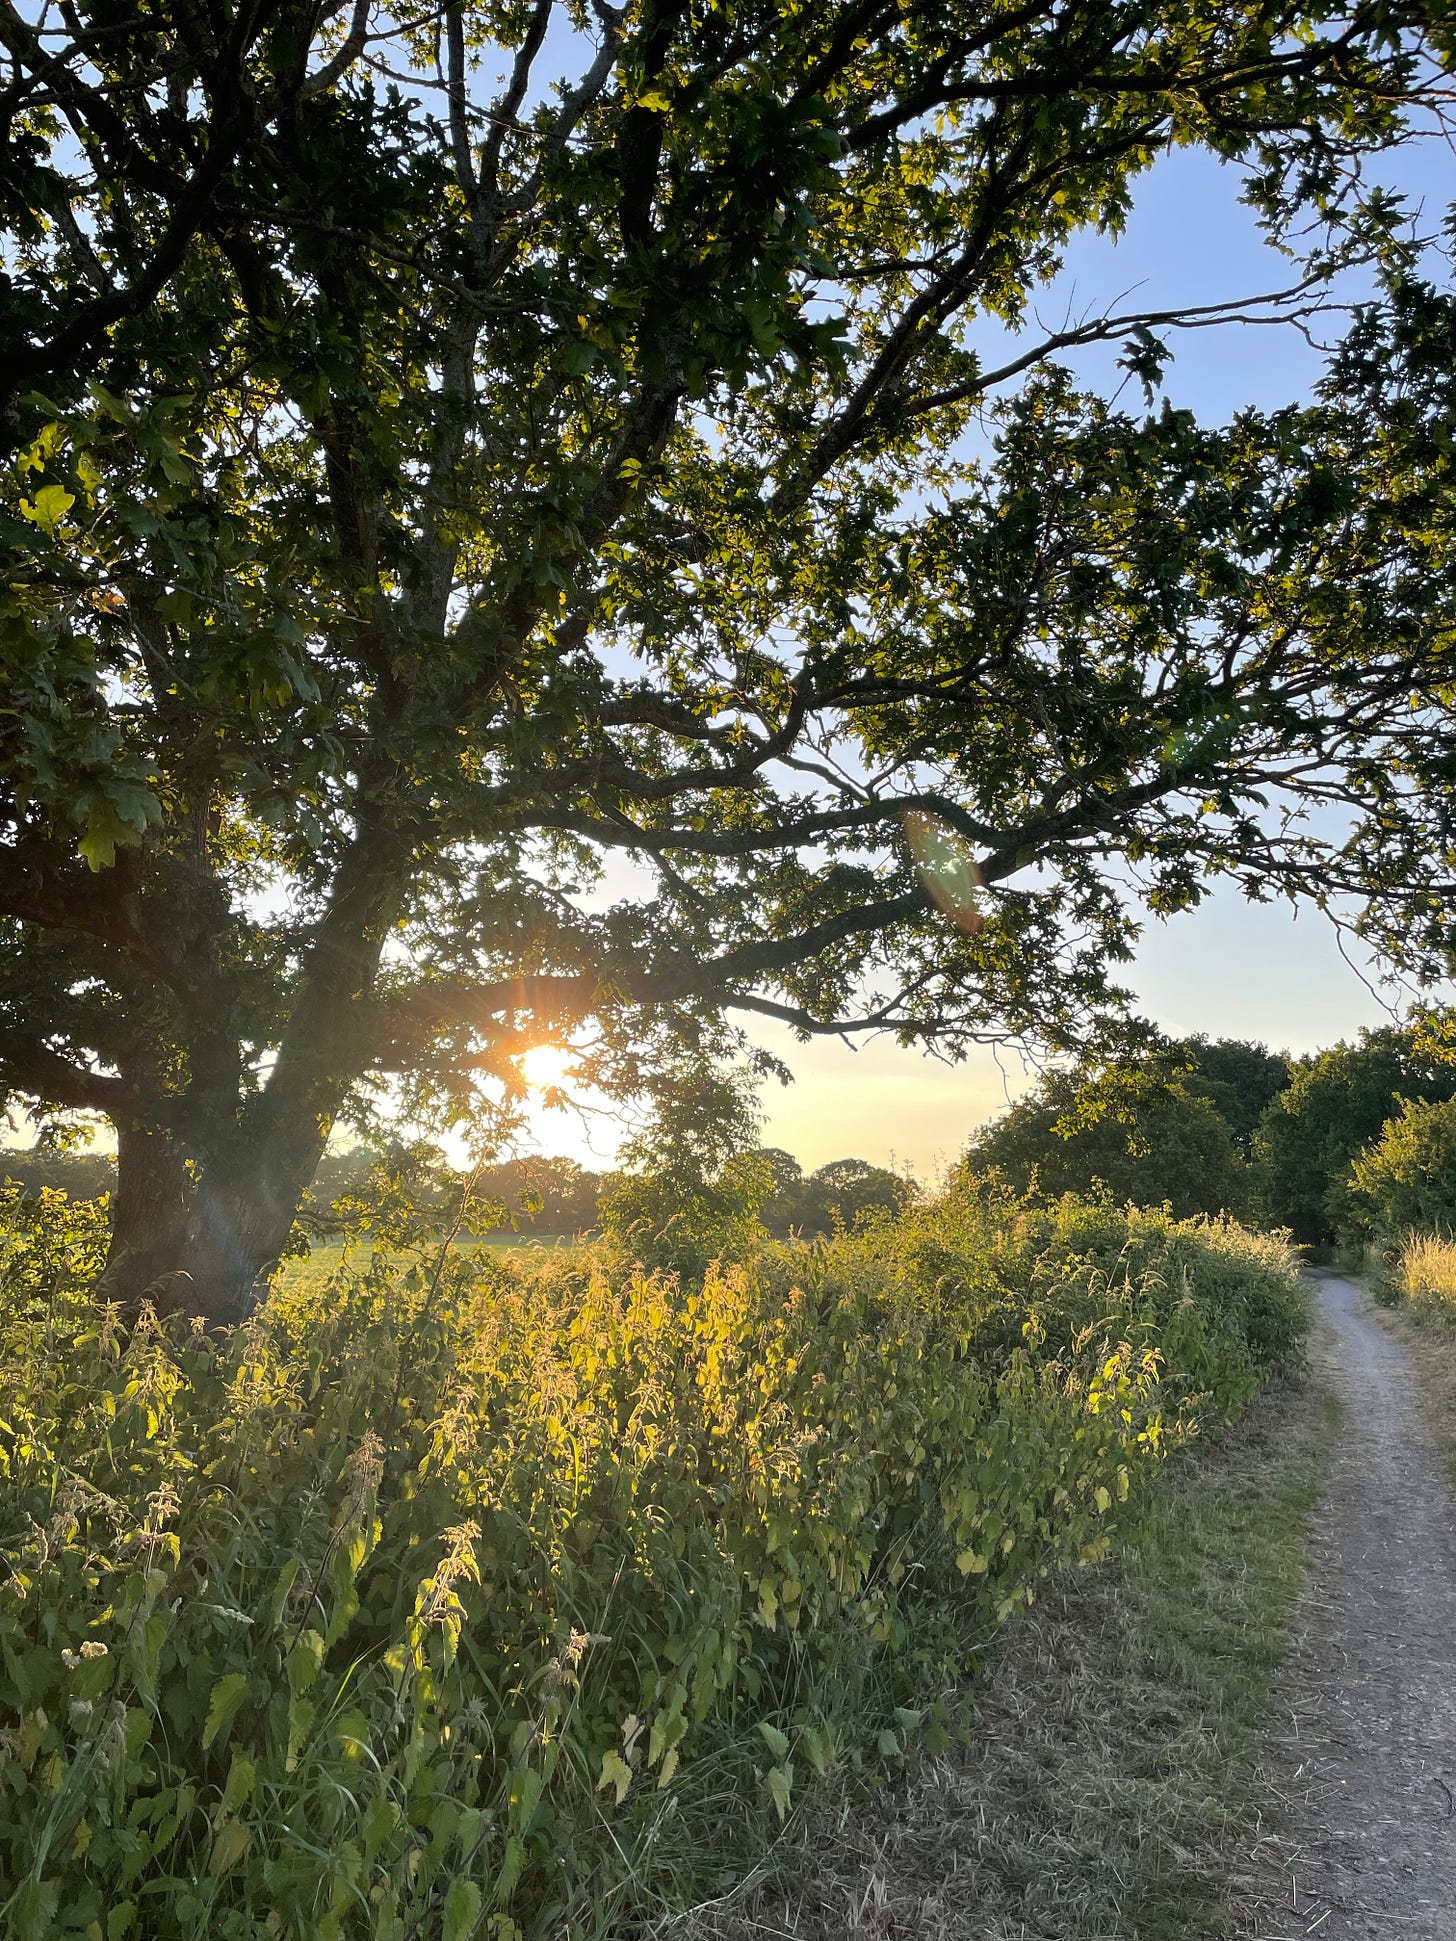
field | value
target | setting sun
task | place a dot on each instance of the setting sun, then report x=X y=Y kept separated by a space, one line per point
x=545 y=1066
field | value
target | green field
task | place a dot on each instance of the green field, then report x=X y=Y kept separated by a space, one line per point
x=325 y=1257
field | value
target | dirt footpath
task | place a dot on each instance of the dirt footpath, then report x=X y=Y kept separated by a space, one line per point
x=1365 y=1746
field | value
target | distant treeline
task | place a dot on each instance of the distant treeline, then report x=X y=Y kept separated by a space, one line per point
x=1331 y=1146
x=534 y=1195
x=1357 y=1139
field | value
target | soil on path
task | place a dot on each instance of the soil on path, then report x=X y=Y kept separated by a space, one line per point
x=1367 y=1742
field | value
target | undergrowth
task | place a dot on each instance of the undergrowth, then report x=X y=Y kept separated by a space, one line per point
x=1106 y=1784
x=497 y=1597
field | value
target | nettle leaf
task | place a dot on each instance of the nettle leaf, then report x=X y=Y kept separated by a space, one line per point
x=241 y=1774
x=774 y=1739
x=615 y=1773
x=304 y=1661
x=33 y=1909
x=222 y=1706
x=462 y=1911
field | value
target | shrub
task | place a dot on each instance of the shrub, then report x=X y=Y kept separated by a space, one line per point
x=1132 y=1134
x=456 y=1596
x=1406 y=1179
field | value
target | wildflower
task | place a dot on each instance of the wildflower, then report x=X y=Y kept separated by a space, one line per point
x=161 y=1507
x=70 y=1660
x=94 y=1648
x=563 y=1668
x=473 y=1718
x=362 y=1471
x=458 y=1561
x=107 y=1344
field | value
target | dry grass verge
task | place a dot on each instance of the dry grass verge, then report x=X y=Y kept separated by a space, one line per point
x=1107 y=1787
x=1422 y=1279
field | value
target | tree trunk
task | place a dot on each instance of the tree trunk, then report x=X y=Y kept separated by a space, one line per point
x=150 y=1211
x=239 y=1227
x=200 y=1247
x=200 y=1244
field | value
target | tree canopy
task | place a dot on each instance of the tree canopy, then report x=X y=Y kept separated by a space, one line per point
x=511 y=510
x=1136 y=1133
x=1338 y=1103
x=1406 y=1179
x=1240 y=1080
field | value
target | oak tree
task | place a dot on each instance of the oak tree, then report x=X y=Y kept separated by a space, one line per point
x=513 y=507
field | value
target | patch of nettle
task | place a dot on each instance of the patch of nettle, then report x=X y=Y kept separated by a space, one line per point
x=496 y=1597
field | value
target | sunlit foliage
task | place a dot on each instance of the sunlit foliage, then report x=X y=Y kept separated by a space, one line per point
x=453 y=1598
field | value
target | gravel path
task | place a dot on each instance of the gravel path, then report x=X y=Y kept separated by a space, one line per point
x=1368 y=1755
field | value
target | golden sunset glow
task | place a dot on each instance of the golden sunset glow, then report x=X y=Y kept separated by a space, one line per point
x=545 y=1066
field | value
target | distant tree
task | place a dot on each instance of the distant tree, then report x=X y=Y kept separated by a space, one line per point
x=1239 y=1079
x=83 y=1175
x=846 y=1191
x=782 y=1212
x=546 y=1195
x=693 y=1181
x=1133 y=1133
x=1335 y=1105
x=1407 y=1177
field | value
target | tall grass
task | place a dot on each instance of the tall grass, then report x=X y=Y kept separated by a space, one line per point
x=505 y=1596
x=1421 y=1269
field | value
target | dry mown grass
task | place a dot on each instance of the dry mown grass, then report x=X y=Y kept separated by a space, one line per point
x=1107 y=1789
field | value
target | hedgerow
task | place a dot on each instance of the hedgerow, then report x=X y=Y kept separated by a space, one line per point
x=480 y=1597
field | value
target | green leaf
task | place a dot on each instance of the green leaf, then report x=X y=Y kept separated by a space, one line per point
x=351 y=1730
x=816 y=1745
x=33 y=1910
x=281 y=1589
x=775 y=1740
x=49 y=506
x=615 y=1772
x=512 y=1862
x=300 y=1723
x=525 y=1791
x=239 y=1787
x=462 y=1911
x=780 y=1783
x=229 y=1845
x=304 y=1660
x=222 y=1706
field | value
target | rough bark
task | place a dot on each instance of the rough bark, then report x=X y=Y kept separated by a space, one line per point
x=200 y=1246
x=150 y=1214
x=201 y=1240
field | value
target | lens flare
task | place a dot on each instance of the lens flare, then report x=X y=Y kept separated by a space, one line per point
x=947 y=867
